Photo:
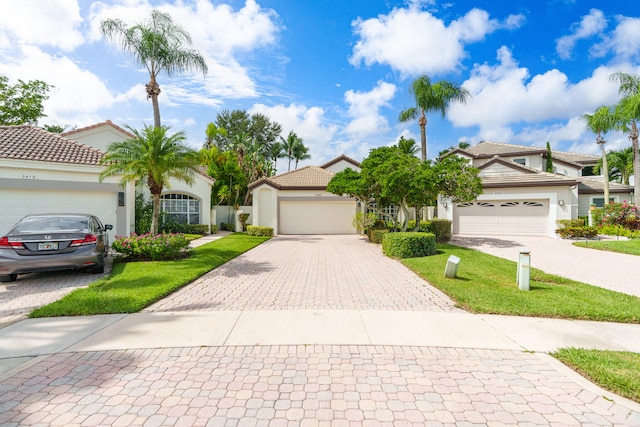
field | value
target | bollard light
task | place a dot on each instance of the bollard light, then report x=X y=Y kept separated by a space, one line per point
x=451 y=270
x=524 y=270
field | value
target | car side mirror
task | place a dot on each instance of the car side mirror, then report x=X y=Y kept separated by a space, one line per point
x=108 y=227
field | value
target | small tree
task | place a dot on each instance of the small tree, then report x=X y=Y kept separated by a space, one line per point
x=21 y=103
x=601 y=122
x=154 y=157
x=549 y=161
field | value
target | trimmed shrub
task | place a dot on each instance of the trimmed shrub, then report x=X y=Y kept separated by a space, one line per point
x=408 y=245
x=227 y=227
x=577 y=232
x=618 y=230
x=425 y=226
x=172 y=227
x=258 y=230
x=376 y=235
x=148 y=247
x=571 y=222
x=378 y=225
x=214 y=229
x=442 y=229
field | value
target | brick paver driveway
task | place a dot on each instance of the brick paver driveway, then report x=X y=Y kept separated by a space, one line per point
x=306 y=385
x=309 y=272
x=19 y=298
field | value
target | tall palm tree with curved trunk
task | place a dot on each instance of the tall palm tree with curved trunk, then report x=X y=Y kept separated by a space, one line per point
x=408 y=146
x=276 y=151
x=159 y=45
x=628 y=110
x=431 y=97
x=601 y=122
x=152 y=156
x=620 y=165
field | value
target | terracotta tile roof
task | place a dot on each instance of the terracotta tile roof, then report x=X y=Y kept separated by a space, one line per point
x=27 y=142
x=306 y=178
x=98 y=125
x=593 y=185
x=489 y=149
x=339 y=158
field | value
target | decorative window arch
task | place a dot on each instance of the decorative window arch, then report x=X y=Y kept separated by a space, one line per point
x=180 y=208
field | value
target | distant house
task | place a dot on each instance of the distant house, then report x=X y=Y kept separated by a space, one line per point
x=519 y=198
x=43 y=172
x=297 y=202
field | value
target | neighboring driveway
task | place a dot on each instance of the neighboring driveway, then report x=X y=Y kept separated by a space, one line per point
x=610 y=270
x=336 y=272
x=30 y=291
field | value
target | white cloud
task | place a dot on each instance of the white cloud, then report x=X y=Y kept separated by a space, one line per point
x=364 y=109
x=53 y=23
x=413 y=41
x=219 y=32
x=309 y=123
x=77 y=94
x=624 y=41
x=589 y=25
x=505 y=94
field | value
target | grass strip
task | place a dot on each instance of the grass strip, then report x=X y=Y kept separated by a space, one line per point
x=630 y=247
x=132 y=286
x=616 y=371
x=487 y=284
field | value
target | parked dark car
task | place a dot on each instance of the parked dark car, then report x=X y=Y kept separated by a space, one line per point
x=53 y=242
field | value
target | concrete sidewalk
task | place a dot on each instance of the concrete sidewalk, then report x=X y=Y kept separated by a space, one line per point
x=37 y=337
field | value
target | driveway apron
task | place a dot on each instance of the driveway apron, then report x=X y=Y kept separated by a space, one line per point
x=306 y=385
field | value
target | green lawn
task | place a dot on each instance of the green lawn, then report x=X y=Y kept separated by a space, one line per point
x=616 y=371
x=487 y=284
x=132 y=286
x=631 y=247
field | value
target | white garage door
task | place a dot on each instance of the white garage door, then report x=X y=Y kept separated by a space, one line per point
x=516 y=217
x=316 y=217
x=18 y=203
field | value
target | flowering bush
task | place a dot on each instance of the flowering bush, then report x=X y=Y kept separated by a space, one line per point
x=622 y=214
x=149 y=247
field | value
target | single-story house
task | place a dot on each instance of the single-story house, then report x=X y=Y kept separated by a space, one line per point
x=180 y=202
x=297 y=202
x=519 y=198
x=44 y=172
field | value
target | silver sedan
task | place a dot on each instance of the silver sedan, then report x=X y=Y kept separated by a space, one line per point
x=53 y=242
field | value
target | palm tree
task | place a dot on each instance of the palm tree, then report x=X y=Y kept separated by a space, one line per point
x=158 y=44
x=276 y=151
x=154 y=156
x=408 y=146
x=429 y=97
x=601 y=122
x=288 y=145
x=628 y=111
x=211 y=132
x=300 y=152
x=620 y=165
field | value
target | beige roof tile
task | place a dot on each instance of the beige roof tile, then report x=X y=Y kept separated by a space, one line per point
x=490 y=149
x=595 y=185
x=306 y=178
x=95 y=126
x=27 y=142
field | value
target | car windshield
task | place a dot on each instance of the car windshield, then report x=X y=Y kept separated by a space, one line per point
x=51 y=223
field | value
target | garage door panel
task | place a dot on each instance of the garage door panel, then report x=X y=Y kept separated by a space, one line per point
x=516 y=217
x=311 y=217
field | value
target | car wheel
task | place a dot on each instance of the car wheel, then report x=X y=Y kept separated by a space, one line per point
x=8 y=278
x=97 y=268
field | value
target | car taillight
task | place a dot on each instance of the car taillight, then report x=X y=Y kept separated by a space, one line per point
x=5 y=243
x=88 y=240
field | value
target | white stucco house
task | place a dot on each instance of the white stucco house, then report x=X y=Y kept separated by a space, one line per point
x=519 y=198
x=297 y=202
x=180 y=202
x=43 y=172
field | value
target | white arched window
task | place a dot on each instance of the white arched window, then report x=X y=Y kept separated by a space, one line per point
x=180 y=208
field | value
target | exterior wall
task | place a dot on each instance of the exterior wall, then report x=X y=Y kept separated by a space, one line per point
x=99 y=138
x=342 y=165
x=586 y=200
x=498 y=169
x=566 y=170
x=42 y=187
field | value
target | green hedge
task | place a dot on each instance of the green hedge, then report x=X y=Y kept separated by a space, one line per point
x=258 y=230
x=577 y=232
x=442 y=229
x=175 y=227
x=379 y=225
x=376 y=235
x=425 y=226
x=409 y=244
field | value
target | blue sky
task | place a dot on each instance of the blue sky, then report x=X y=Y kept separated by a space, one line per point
x=337 y=72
